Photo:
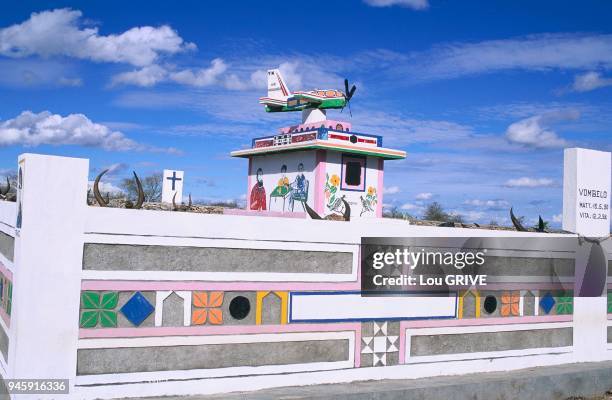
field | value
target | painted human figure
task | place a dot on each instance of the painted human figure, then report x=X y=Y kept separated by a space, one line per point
x=299 y=187
x=258 y=193
x=282 y=188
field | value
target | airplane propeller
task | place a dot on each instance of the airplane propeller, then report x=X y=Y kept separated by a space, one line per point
x=348 y=94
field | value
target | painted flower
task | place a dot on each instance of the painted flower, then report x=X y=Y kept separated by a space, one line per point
x=98 y=309
x=510 y=304
x=565 y=303
x=334 y=180
x=207 y=308
x=371 y=191
x=284 y=181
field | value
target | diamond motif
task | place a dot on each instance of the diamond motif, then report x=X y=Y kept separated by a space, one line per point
x=547 y=302
x=137 y=309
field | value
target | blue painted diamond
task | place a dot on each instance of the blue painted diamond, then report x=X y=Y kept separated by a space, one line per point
x=547 y=302
x=137 y=309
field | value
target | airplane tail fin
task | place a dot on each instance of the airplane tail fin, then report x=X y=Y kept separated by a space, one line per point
x=277 y=89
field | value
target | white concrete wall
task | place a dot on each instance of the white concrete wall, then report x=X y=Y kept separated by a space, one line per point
x=48 y=274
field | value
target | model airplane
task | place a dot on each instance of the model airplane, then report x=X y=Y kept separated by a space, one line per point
x=280 y=98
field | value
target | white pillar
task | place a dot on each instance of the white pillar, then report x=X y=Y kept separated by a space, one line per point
x=48 y=263
x=586 y=211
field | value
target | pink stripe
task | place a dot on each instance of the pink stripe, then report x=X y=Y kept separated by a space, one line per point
x=251 y=213
x=358 y=345
x=206 y=285
x=441 y=323
x=402 y=345
x=319 y=182
x=216 y=330
x=6 y=272
x=381 y=173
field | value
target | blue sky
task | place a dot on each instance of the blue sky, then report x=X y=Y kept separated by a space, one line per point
x=483 y=96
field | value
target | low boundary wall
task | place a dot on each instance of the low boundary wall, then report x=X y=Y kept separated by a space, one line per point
x=148 y=303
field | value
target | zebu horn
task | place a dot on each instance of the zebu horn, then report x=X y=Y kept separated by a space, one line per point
x=313 y=214
x=347 y=210
x=96 y=190
x=141 y=195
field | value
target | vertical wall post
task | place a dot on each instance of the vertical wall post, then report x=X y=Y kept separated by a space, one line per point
x=586 y=211
x=48 y=258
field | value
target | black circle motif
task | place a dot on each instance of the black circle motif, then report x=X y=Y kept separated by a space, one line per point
x=353 y=139
x=490 y=304
x=239 y=307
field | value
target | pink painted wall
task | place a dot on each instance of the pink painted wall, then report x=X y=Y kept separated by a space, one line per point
x=380 y=189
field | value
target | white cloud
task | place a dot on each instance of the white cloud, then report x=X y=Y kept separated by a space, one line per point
x=215 y=74
x=488 y=204
x=558 y=218
x=391 y=190
x=471 y=216
x=529 y=182
x=105 y=187
x=410 y=206
x=536 y=132
x=116 y=168
x=414 y=4
x=145 y=77
x=61 y=32
x=202 y=76
x=590 y=81
x=399 y=130
x=31 y=129
x=533 y=52
x=424 y=196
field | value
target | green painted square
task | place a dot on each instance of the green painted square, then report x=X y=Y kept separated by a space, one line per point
x=609 y=302
x=98 y=309
x=565 y=303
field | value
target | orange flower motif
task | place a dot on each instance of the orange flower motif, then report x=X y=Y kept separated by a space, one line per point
x=207 y=308
x=510 y=304
x=371 y=191
x=334 y=180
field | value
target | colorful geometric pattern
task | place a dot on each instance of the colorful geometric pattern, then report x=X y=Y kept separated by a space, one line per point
x=380 y=344
x=547 y=302
x=565 y=303
x=284 y=297
x=137 y=309
x=510 y=304
x=98 y=309
x=207 y=308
